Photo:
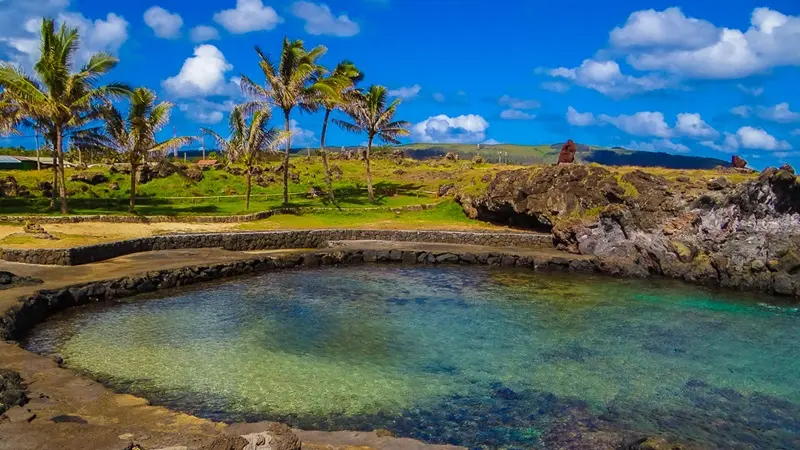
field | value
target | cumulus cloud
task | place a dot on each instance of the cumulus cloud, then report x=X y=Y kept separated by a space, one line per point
x=668 y=28
x=769 y=42
x=205 y=111
x=406 y=92
x=692 y=125
x=518 y=103
x=470 y=128
x=729 y=145
x=201 y=75
x=659 y=145
x=300 y=136
x=203 y=33
x=758 y=138
x=515 y=114
x=754 y=91
x=320 y=20
x=249 y=15
x=165 y=24
x=606 y=77
x=579 y=119
x=741 y=111
x=645 y=123
x=555 y=86
x=779 y=113
x=439 y=97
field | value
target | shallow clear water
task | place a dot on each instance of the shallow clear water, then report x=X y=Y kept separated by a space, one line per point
x=462 y=355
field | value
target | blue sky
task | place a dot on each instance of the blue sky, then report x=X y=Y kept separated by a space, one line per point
x=706 y=77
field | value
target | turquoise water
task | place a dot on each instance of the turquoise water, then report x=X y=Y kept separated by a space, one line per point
x=471 y=356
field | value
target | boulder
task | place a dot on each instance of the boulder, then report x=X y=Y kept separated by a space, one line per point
x=567 y=155
x=451 y=156
x=737 y=162
x=12 y=390
x=478 y=159
x=718 y=184
x=144 y=174
x=114 y=186
x=92 y=178
x=277 y=435
x=336 y=172
x=446 y=189
x=9 y=187
x=194 y=174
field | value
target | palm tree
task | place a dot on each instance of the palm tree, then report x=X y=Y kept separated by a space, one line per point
x=295 y=82
x=371 y=116
x=58 y=99
x=133 y=136
x=248 y=143
x=343 y=79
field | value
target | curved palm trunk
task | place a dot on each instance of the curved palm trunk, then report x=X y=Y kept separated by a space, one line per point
x=324 y=153
x=62 y=187
x=286 y=160
x=249 y=186
x=132 y=204
x=369 y=172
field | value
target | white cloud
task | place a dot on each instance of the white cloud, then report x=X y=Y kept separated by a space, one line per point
x=201 y=75
x=249 y=15
x=607 y=78
x=668 y=28
x=645 y=123
x=164 y=24
x=729 y=145
x=741 y=111
x=769 y=42
x=517 y=103
x=757 y=138
x=659 y=145
x=796 y=132
x=203 y=33
x=779 y=113
x=205 y=111
x=439 y=97
x=579 y=119
x=300 y=136
x=515 y=114
x=754 y=91
x=320 y=20
x=406 y=93
x=470 y=128
x=555 y=86
x=692 y=125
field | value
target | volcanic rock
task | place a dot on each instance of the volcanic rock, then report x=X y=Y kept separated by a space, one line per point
x=12 y=390
x=92 y=178
x=738 y=163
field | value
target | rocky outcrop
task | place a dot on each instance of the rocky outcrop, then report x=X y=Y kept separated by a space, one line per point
x=92 y=178
x=743 y=236
x=8 y=280
x=567 y=154
x=12 y=390
x=738 y=162
x=10 y=188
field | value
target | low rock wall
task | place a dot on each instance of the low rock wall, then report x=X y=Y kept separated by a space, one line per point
x=34 y=309
x=264 y=240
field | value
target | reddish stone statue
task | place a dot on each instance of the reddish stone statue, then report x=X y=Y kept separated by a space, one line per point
x=738 y=162
x=567 y=155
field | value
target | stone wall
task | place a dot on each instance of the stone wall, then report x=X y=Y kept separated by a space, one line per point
x=197 y=219
x=264 y=240
x=32 y=310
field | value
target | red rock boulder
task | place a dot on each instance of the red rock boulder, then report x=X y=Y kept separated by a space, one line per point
x=738 y=162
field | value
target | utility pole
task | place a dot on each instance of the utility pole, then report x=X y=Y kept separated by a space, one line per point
x=38 y=162
x=202 y=146
x=175 y=135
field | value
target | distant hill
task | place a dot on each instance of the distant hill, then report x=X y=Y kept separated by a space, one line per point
x=548 y=154
x=539 y=154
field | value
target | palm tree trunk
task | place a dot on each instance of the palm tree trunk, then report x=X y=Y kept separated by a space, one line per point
x=62 y=187
x=247 y=195
x=369 y=172
x=54 y=191
x=132 y=204
x=324 y=153
x=286 y=160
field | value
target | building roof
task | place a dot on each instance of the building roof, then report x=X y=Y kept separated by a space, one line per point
x=46 y=160
x=5 y=159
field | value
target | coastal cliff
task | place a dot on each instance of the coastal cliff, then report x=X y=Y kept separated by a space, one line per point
x=737 y=229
